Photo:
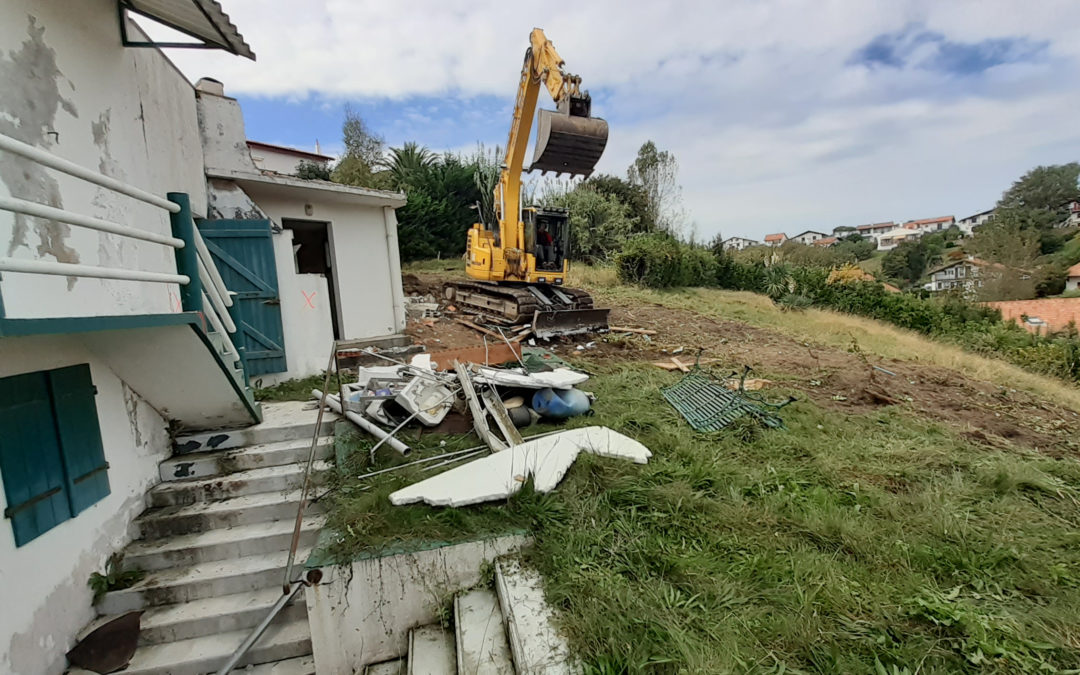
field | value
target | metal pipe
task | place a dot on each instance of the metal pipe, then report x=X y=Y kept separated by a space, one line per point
x=307 y=471
x=396 y=294
x=453 y=460
x=362 y=422
x=50 y=160
x=285 y=598
x=71 y=218
x=215 y=275
x=90 y=271
x=422 y=461
x=212 y=299
x=408 y=419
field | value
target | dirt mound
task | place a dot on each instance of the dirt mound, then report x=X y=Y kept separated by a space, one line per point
x=414 y=285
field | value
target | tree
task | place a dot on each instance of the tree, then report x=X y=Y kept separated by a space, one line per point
x=599 y=223
x=361 y=163
x=1039 y=199
x=1006 y=242
x=633 y=196
x=656 y=172
x=406 y=164
x=308 y=170
x=855 y=246
x=907 y=262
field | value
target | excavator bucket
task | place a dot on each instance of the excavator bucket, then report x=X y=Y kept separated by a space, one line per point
x=568 y=143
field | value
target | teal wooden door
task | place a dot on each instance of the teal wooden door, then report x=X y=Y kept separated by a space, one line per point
x=244 y=253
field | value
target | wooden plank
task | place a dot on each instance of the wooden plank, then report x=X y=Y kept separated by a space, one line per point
x=483 y=330
x=680 y=365
x=640 y=331
x=495 y=354
x=668 y=365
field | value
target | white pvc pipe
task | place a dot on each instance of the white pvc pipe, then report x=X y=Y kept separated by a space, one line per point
x=50 y=160
x=363 y=423
x=204 y=255
x=215 y=321
x=394 y=256
x=73 y=270
x=214 y=299
x=72 y=218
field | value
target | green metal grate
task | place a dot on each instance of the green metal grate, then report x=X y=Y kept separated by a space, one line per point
x=708 y=405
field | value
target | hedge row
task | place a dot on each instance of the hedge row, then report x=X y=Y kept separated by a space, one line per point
x=658 y=261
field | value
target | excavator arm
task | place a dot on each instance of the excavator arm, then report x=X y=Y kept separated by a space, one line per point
x=568 y=140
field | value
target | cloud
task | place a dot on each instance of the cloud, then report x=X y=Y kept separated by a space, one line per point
x=783 y=114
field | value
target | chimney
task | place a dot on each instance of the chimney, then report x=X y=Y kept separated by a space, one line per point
x=208 y=85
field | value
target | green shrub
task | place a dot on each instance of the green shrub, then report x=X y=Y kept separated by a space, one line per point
x=661 y=261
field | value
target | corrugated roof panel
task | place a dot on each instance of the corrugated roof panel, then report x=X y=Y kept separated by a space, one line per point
x=201 y=19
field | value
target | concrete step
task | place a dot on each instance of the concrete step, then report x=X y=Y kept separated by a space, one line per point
x=283 y=421
x=205 y=580
x=213 y=616
x=265 y=507
x=431 y=651
x=282 y=640
x=395 y=667
x=535 y=643
x=301 y=665
x=221 y=544
x=482 y=648
x=278 y=479
x=221 y=462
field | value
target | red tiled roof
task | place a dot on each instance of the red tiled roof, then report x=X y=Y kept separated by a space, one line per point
x=775 y=237
x=1073 y=271
x=927 y=221
x=827 y=241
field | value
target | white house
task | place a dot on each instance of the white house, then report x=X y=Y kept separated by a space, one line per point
x=1072 y=278
x=876 y=229
x=738 y=243
x=150 y=269
x=809 y=237
x=775 y=239
x=1073 y=219
x=279 y=158
x=931 y=224
x=894 y=237
x=968 y=225
x=961 y=274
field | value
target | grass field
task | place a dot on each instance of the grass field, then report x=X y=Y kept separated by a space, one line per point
x=868 y=542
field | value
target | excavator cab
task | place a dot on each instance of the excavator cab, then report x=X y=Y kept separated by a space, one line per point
x=568 y=140
x=547 y=237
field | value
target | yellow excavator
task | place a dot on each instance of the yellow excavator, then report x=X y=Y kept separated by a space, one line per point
x=520 y=261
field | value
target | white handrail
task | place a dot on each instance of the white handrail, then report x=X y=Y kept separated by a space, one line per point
x=215 y=321
x=50 y=160
x=74 y=270
x=72 y=218
x=215 y=275
x=214 y=298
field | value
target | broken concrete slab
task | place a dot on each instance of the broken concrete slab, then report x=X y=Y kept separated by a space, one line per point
x=546 y=460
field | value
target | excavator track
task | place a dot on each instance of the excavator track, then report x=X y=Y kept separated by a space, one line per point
x=551 y=310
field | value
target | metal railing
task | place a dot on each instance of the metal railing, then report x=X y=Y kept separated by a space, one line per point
x=201 y=286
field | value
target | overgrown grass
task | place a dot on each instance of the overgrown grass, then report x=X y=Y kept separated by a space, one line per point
x=838 y=329
x=296 y=390
x=840 y=543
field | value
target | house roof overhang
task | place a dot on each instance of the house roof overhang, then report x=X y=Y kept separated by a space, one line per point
x=203 y=20
x=311 y=190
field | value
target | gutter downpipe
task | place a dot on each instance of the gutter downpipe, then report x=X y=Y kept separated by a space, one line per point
x=396 y=292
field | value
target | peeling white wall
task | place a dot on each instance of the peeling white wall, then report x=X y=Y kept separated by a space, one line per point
x=71 y=88
x=46 y=599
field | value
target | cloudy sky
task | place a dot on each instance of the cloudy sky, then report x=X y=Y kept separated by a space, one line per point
x=784 y=115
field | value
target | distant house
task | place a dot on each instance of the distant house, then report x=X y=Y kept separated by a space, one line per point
x=931 y=224
x=775 y=239
x=1073 y=219
x=281 y=159
x=826 y=242
x=809 y=237
x=738 y=243
x=968 y=225
x=875 y=229
x=963 y=274
x=894 y=237
x=842 y=231
x=1072 y=278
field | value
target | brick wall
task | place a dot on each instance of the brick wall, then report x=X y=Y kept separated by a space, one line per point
x=1057 y=312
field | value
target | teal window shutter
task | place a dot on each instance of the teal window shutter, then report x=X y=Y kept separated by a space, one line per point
x=31 y=463
x=80 y=436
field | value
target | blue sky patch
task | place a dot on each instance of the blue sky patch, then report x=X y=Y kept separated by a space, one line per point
x=916 y=46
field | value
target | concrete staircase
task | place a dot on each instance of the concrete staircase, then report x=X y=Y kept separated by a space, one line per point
x=214 y=541
x=506 y=631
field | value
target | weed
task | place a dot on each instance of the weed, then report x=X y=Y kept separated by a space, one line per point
x=115 y=578
x=295 y=390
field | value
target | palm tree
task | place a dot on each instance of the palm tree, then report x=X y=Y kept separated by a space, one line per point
x=407 y=163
